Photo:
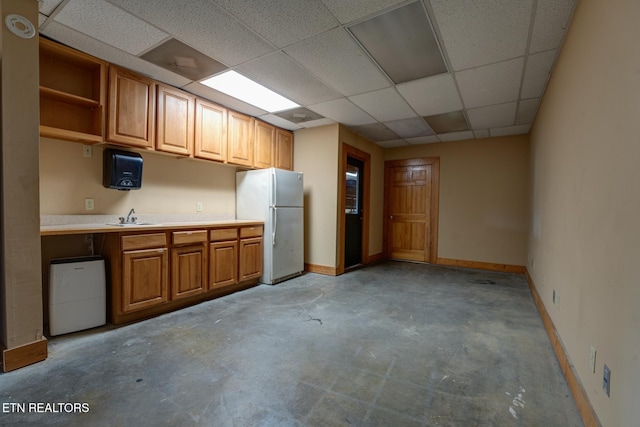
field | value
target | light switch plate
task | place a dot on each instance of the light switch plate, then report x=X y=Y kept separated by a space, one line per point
x=87 y=150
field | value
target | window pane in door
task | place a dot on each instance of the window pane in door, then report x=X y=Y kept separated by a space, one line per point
x=352 y=190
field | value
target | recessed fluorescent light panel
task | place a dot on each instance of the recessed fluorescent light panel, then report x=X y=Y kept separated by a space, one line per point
x=448 y=122
x=402 y=42
x=244 y=89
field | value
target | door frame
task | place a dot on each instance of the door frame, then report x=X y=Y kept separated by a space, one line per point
x=434 y=208
x=350 y=151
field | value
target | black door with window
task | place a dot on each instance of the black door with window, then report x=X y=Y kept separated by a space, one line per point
x=353 y=212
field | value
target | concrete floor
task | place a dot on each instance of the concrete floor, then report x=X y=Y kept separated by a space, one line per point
x=394 y=344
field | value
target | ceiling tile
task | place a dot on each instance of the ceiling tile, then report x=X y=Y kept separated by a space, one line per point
x=47 y=7
x=204 y=25
x=281 y=74
x=385 y=105
x=537 y=73
x=410 y=128
x=41 y=19
x=375 y=132
x=98 y=49
x=347 y=11
x=423 y=140
x=336 y=59
x=492 y=116
x=455 y=136
x=551 y=22
x=280 y=122
x=282 y=22
x=482 y=133
x=491 y=84
x=342 y=111
x=479 y=32
x=402 y=42
x=393 y=143
x=432 y=95
x=223 y=99
x=527 y=110
x=112 y=25
x=511 y=130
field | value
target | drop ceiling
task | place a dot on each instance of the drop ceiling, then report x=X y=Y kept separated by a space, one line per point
x=397 y=72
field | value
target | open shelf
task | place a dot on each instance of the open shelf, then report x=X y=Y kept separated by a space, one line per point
x=72 y=94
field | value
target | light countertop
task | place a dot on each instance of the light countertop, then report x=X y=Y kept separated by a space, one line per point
x=62 y=229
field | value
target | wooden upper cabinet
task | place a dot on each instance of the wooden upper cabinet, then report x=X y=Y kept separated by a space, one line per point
x=132 y=99
x=284 y=149
x=265 y=145
x=240 y=139
x=73 y=96
x=210 y=131
x=175 y=121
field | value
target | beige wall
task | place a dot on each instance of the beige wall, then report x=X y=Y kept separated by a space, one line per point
x=20 y=288
x=483 y=197
x=584 y=240
x=376 y=186
x=170 y=185
x=316 y=155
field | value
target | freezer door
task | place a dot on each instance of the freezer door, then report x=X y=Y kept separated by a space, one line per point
x=287 y=243
x=286 y=188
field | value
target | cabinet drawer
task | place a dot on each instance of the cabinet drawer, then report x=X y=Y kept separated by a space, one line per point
x=144 y=241
x=255 y=231
x=186 y=237
x=223 y=234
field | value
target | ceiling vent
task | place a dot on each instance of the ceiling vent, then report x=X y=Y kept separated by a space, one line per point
x=448 y=122
x=176 y=56
x=299 y=115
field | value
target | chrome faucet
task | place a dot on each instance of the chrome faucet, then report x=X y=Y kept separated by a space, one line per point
x=130 y=219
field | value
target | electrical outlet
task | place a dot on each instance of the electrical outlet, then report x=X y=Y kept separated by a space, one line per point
x=533 y=264
x=592 y=359
x=606 y=380
x=199 y=207
x=554 y=296
x=87 y=150
x=88 y=204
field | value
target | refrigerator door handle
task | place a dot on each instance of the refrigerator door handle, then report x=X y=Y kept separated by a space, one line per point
x=275 y=226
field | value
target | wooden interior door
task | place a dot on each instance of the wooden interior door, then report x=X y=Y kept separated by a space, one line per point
x=411 y=217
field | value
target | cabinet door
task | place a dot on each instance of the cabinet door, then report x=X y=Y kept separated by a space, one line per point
x=223 y=264
x=144 y=278
x=175 y=121
x=265 y=145
x=211 y=131
x=240 y=139
x=188 y=270
x=131 y=118
x=284 y=150
x=250 y=258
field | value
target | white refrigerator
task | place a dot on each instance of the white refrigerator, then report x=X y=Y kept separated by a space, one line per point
x=275 y=196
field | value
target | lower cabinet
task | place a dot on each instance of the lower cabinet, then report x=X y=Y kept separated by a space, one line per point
x=250 y=258
x=144 y=279
x=163 y=271
x=223 y=259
